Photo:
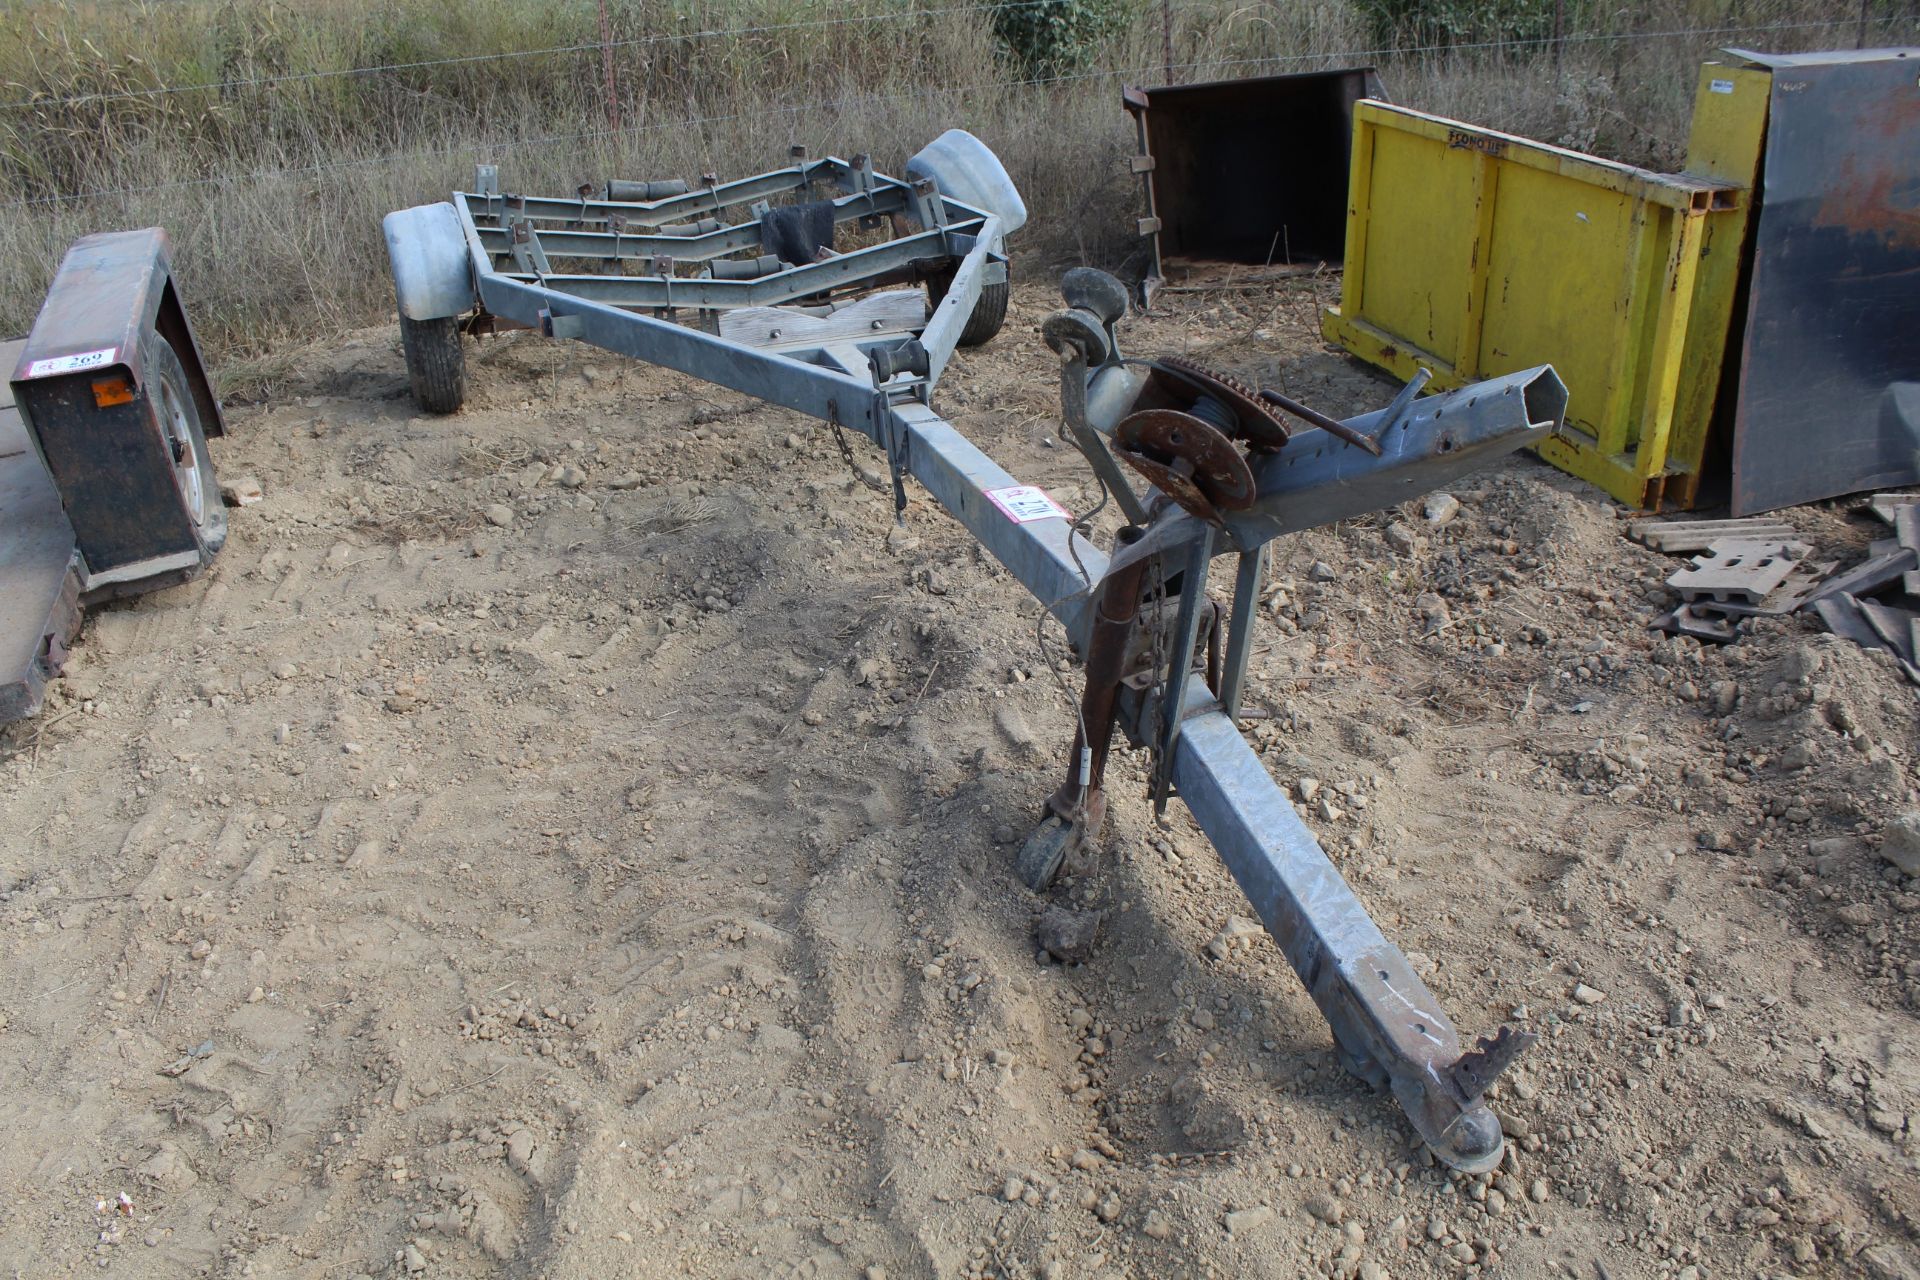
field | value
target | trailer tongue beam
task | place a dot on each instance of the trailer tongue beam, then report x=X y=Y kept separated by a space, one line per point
x=1389 y=1028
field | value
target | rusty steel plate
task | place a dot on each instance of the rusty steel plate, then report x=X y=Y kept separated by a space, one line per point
x=1188 y=460
x=1183 y=379
x=1828 y=401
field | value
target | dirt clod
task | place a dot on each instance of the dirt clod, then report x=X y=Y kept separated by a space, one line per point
x=1066 y=934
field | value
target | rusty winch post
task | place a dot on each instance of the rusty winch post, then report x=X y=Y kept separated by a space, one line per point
x=1081 y=802
x=1082 y=336
x=1210 y=448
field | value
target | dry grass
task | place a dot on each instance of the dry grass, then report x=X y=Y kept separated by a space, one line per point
x=274 y=191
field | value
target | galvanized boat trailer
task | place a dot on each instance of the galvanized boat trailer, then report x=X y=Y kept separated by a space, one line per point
x=1229 y=470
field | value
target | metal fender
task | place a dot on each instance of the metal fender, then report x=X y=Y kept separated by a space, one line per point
x=965 y=169
x=432 y=278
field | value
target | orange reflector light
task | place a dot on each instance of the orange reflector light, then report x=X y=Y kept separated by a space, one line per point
x=108 y=392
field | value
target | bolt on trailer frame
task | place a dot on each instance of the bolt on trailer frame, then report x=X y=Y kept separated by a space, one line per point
x=871 y=365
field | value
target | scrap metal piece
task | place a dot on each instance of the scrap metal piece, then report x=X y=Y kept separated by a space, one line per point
x=1872 y=625
x=1737 y=570
x=1866 y=577
x=1887 y=505
x=1893 y=626
x=1795 y=590
x=1674 y=536
x=1689 y=620
x=1188 y=460
x=1841 y=614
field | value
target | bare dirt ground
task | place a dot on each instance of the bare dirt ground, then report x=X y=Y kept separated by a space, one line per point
x=574 y=839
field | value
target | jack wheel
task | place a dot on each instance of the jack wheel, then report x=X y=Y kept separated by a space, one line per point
x=1040 y=858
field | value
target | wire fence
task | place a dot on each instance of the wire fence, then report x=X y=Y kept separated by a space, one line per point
x=899 y=15
x=480 y=148
x=590 y=46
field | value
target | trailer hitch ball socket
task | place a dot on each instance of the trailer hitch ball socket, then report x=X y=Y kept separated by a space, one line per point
x=1467 y=1138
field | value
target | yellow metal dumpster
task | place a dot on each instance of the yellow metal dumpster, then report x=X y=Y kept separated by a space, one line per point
x=1476 y=253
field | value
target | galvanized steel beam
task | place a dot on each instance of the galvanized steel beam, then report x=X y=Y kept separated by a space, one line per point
x=776 y=378
x=1390 y=1029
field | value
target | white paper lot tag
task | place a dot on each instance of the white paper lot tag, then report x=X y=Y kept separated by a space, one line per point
x=1025 y=503
x=72 y=364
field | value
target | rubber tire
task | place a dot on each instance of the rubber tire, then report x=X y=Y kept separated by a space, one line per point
x=165 y=378
x=989 y=310
x=436 y=363
x=1045 y=851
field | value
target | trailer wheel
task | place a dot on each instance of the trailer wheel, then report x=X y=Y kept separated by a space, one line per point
x=178 y=418
x=436 y=366
x=989 y=312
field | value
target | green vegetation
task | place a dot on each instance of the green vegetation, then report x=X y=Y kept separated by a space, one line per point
x=1050 y=37
x=269 y=136
x=1434 y=24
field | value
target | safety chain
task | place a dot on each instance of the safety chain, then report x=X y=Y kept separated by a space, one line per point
x=840 y=438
